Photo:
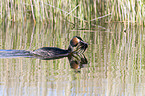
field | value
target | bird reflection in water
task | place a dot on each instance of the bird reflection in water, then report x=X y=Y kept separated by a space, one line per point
x=77 y=62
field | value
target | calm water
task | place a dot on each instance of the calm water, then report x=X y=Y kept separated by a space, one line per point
x=114 y=61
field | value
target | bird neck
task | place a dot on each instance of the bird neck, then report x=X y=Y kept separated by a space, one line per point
x=70 y=48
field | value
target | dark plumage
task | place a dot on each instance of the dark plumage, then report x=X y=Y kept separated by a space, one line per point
x=53 y=52
x=50 y=51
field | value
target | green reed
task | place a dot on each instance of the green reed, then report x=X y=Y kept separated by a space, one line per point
x=74 y=11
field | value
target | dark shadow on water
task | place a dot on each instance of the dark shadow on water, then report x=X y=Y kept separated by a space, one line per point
x=77 y=61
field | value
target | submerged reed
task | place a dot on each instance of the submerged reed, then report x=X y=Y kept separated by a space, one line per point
x=73 y=10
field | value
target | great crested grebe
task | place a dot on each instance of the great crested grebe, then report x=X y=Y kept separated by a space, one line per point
x=54 y=52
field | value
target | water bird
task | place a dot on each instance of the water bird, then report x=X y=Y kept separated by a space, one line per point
x=53 y=52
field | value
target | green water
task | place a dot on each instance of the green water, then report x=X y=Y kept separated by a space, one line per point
x=115 y=58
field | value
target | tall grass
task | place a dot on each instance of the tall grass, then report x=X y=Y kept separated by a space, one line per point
x=88 y=11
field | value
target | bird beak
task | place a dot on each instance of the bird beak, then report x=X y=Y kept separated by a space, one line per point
x=83 y=47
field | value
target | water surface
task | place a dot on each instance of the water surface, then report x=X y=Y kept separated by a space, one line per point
x=115 y=61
